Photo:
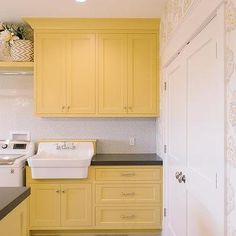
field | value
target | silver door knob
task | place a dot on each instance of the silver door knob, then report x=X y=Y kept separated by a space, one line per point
x=182 y=179
x=178 y=175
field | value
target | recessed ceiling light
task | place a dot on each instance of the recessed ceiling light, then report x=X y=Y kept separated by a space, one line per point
x=80 y=0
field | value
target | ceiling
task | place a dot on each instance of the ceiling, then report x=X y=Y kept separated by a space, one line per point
x=13 y=10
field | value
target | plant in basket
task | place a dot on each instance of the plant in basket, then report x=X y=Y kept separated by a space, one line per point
x=15 y=38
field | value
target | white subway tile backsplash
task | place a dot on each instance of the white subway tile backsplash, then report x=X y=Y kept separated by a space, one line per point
x=16 y=113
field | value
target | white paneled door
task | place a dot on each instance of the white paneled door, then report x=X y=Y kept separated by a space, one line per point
x=176 y=133
x=195 y=138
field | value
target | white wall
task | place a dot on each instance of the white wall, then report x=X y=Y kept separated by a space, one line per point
x=13 y=10
x=16 y=113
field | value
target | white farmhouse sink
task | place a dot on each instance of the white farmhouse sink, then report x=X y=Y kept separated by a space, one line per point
x=62 y=160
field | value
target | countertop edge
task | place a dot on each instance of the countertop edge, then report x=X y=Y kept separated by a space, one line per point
x=12 y=205
x=145 y=159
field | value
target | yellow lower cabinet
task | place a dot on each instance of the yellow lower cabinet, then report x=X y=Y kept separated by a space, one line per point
x=128 y=197
x=111 y=198
x=134 y=217
x=45 y=205
x=76 y=205
x=15 y=223
x=60 y=205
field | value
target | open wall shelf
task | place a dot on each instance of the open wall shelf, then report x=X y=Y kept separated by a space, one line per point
x=14 y=68
x=16 y=65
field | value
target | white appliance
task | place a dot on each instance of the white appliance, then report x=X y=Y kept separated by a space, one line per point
x=13 y=155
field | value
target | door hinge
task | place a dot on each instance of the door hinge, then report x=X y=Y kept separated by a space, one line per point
x=165 y=148
x=165 y=212
x=165 y=86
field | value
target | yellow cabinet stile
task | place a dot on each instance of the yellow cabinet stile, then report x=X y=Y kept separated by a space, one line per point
x=112 y=73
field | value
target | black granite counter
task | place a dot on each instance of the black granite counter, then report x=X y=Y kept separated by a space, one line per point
x=126 y=159
x=10 y=198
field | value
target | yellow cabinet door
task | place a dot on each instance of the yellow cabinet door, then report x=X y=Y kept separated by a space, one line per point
x=76 y=205
x=81 y=93
x=45 y=205
x=16 y=222
x=112 y=73
x=50 y=73
x=142 y=74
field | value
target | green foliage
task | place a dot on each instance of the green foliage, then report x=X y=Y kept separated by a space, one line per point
x=22 y=31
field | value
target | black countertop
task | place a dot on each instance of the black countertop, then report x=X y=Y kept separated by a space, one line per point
x=127 y=159
x=10 y=198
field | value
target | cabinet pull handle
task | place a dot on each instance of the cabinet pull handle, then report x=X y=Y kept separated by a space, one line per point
x=63 y=191
x=127 y=217
x=57 y=191
x=125 y=108
x=68 y=108
x=62 y=108
x=131 y=108
x=128 y=194
x=128 y=174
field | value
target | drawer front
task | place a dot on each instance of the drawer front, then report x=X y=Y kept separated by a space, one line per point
x=128 y=217
x=127 y=193
x=128 y=174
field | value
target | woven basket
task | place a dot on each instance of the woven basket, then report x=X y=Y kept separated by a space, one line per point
x=22 y=50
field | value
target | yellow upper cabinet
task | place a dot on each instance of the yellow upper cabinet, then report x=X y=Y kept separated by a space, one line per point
x=65 y=73
x=142 y=71
x=127 y=74
x=96 y=67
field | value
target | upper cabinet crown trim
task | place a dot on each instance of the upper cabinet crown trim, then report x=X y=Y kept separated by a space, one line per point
x=93 y=23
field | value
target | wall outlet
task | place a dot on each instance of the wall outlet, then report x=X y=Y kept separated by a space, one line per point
x=132 y=141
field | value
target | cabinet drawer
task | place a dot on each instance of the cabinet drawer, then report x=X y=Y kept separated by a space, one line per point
x=128 y=174
x=128 y=217
x=127 y=193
